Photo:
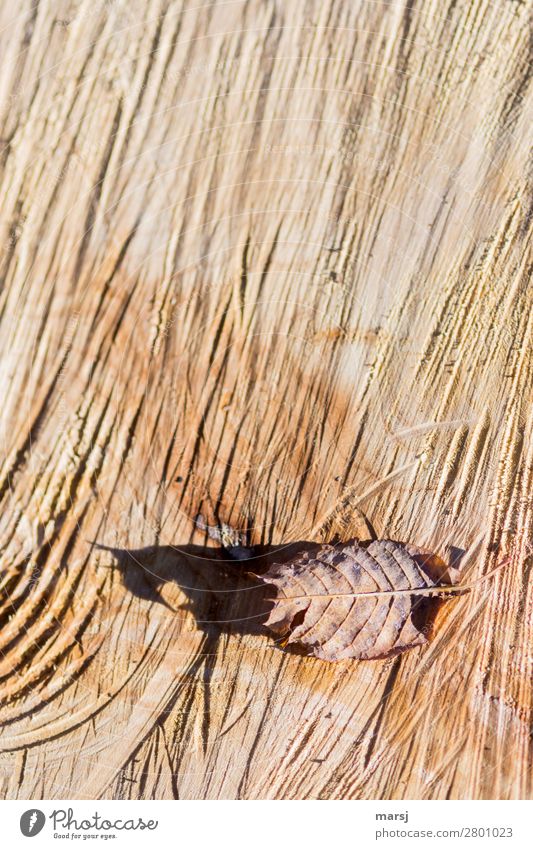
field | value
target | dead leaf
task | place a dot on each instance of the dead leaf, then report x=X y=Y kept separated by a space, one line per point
x=360 y=602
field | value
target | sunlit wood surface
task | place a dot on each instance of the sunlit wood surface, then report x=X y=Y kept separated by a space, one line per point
x=259 y=259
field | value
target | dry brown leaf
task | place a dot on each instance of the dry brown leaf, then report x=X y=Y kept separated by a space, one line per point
x=352 y=601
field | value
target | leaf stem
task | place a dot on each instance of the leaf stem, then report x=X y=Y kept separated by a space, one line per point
x=415 y=591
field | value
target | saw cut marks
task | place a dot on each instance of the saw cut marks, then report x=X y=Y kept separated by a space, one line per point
x=358 y=602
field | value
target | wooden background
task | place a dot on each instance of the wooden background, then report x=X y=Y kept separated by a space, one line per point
x=258 y=256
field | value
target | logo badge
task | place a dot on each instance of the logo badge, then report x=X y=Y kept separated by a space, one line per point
x=32 y=822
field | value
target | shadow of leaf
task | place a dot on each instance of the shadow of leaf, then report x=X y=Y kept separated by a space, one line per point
x=221 y=593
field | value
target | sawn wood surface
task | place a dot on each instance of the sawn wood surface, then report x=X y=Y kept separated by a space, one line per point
x=268 y=261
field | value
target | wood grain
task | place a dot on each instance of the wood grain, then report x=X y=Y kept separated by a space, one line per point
x=268 y=261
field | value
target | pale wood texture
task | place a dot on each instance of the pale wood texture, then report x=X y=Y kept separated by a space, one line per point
x=258 y=257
